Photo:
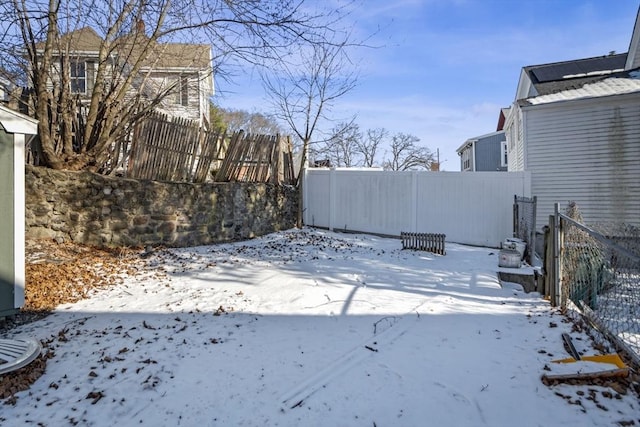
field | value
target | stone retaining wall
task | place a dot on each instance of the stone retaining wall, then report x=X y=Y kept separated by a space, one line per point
x=103 y=211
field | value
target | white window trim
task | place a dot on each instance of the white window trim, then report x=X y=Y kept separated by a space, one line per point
x=76 y=79
x=504 y=154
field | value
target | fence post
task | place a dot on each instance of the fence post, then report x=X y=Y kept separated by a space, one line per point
x=532 y=241
x=332 y=197
x=549 y=262
x=414 y=201
x=515 y=215
x=557 y=277
x=303 y=216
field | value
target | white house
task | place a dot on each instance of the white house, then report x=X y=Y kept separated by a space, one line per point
x=575 y=126
x=183 y=70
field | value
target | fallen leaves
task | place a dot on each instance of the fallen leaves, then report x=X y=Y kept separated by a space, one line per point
x=146 y=325
x=58 y=274
x=95 y=395
x=21 y=379
x=66 y=273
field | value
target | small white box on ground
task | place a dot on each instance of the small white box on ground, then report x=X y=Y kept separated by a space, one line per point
x=509 y=258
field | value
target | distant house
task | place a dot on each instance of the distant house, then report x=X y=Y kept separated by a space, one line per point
x=182 y=71
x=575 y=125
x=484 y=153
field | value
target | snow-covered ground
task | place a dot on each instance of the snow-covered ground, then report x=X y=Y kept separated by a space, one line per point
x=311 y=328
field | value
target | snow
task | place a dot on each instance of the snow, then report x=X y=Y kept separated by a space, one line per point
x=313 y=328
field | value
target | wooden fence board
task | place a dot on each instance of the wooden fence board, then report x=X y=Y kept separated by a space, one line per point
x=175 y=149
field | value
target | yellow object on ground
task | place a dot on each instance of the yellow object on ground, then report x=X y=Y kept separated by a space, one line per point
x=612 y=359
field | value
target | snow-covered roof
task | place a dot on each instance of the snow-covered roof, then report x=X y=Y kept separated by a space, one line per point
x=618 y=85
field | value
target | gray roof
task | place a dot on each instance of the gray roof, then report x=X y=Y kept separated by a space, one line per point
x=477 y=138
x=560 y=76
x=615 y=84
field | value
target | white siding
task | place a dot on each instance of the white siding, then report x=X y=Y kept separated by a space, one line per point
x=515 y=139
x=519 y=154
x=587 y=151
x=172 y=103
x=469 y=208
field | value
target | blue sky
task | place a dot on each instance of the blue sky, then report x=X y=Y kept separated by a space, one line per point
x=444 y=68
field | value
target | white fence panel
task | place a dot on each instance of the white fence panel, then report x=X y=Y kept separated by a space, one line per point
x=316 y=198
x=469 y=207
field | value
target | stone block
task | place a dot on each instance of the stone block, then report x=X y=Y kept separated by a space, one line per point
x=167 y=227
x=141 y=219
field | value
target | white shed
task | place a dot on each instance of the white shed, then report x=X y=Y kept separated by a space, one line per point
x=14 y=131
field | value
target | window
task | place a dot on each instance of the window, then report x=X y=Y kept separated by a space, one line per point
x=184 y=91
x=179 y=94
x=466 y=159
x=78 y=77
x=504 y=158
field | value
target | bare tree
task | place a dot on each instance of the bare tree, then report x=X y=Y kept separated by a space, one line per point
x=38 y=48
x=341 y=149
x=406 y=155
x=305 y=89
x=255 y=122
x=368 y=147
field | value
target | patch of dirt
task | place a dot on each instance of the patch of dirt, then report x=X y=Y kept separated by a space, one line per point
x=59 y=273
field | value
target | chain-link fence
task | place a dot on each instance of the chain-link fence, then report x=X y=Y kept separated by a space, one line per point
x=599 y=275
x=524 y=223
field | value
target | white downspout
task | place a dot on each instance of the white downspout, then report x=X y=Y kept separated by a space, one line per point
x=473 y=155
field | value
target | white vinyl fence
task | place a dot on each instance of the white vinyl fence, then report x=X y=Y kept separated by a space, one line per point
x=474 y=208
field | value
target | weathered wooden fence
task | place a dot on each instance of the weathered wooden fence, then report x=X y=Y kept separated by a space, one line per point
x=257 y=158
x=173 y=149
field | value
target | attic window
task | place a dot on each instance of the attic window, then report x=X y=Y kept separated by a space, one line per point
x=78 y=76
